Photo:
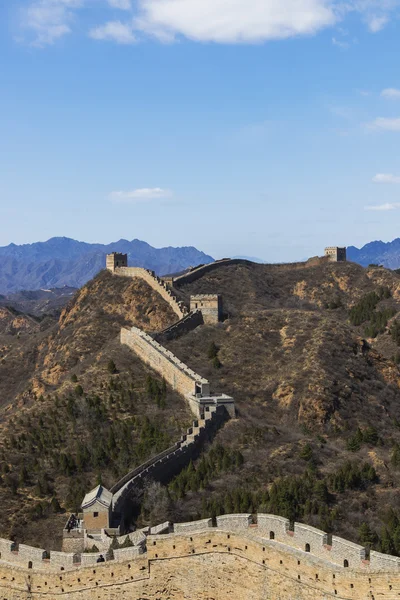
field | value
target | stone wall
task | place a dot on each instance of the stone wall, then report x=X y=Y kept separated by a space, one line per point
x=201 y=562
x=234 y=522
x=157 y=284
x=179 y=376
x=73 y=541
x=188 y=323
x=170 y=462
x=198 y=272
x=193 y=526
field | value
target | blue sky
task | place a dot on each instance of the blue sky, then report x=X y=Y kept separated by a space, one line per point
x=266 y=128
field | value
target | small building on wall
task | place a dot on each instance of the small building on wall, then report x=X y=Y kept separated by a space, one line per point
x=116 y=260
x=210 y=306
x=97 y=509
x=336 y=254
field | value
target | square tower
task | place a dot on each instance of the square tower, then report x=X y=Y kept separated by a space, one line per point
x=335 y=254
x=96 y=507
x=116 y=260
x=210 y=306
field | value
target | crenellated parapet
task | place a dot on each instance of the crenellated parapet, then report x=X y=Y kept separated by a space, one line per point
x=273 y=531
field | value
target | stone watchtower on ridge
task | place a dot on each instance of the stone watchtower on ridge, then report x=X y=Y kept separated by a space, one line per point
x=115 y=260
x=335 y=254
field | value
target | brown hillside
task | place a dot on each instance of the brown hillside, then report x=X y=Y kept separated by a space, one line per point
x=85 y=409
x=305 y=381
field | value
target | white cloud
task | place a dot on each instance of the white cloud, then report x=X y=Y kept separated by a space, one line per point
x=384 y=124
x=384 y=207
x=376 y=23
x=218 y=21
x=114 y=31
x=120 y=4
x=49 y=20
x=140 y=195
x=235 y=21
x=391 y=93
x=386 y=178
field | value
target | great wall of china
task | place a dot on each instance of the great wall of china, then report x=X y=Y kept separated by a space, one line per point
x=234 y=557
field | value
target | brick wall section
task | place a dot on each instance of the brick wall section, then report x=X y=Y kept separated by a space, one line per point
x=63 y=559
x=6 y=550
x=189 y=323
x=273 y=527
x=378 y=561
x=127 y=553
x=162 y=528
x=212 y=563
x=73 y=541
x=343 y=550
x=157 y=284
x=91 y=558
x=234 y=522
x=193 y=526
x=310 y=539
x=179 y=376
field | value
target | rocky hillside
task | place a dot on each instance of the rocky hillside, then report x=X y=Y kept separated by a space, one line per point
x=309 y=353
x=318 y=397
x=66 y=262
x=77 y=407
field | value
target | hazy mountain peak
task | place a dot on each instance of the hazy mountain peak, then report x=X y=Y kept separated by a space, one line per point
x=63 y=261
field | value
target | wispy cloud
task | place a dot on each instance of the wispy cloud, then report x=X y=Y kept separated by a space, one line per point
x=386 y=178
x=391 y=93
x=49 y=20
x=384 y=207
x=340 y=44
x=115 y=31
x=120 y=4
x=140 y=195
x=385 y=124
x=377 y=23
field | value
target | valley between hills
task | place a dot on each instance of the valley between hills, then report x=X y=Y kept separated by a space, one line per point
x=310 y=354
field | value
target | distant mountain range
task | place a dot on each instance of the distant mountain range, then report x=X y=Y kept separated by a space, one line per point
x=379 y=253
x=62 y=261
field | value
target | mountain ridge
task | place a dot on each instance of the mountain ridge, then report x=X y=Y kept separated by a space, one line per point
x=386 y=254
x=62 y=261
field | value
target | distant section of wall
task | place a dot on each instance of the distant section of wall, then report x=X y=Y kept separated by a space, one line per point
x=188 y=323
x=198 y=272
x=170 y=462
x=157 y=284
x=179 y=376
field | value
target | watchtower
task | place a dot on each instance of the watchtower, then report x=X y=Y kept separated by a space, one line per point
x=116 y=260
x=96 y=507
x=335 y=254
x=210 y=306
